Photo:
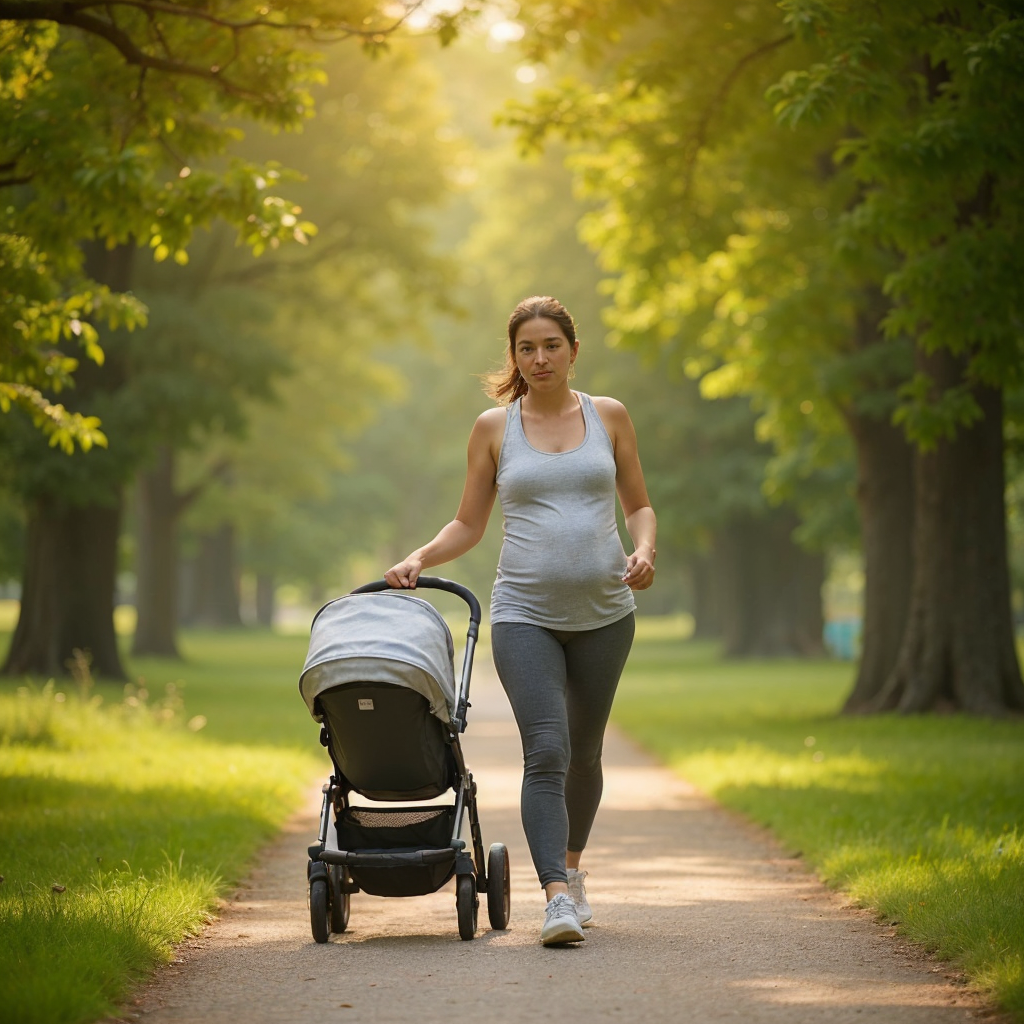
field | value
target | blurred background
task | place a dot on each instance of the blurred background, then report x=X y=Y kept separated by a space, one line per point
x=286 y=426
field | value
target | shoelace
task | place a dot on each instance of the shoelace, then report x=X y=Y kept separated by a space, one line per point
x=562 y=906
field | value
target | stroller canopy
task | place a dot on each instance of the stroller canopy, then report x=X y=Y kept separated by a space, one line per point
x=387 y=637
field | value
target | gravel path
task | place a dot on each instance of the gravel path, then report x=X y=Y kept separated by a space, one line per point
x=698 y=918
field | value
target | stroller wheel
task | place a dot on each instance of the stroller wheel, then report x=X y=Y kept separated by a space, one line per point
x=340 y=901
x=466 y=903
x=318 y=909
x=499 y=887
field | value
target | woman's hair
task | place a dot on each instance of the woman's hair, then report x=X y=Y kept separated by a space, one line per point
x=507 y=384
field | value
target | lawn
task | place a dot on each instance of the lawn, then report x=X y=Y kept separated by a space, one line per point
x=127 y=813
x=920 y=818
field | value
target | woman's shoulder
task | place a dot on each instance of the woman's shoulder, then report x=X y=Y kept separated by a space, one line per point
x=615 y=418
x=489 y=429
x=610 y=409
x=491 y=420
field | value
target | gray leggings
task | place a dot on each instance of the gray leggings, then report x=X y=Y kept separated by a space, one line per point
x=560 y=684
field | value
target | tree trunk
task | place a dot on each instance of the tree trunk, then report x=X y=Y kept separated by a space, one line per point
x=807 y=577
x=885 y=499
x=68 y=592
x=707 y=610
x=770 y=589
x=34 y=647
x=188 y=589
x=265 y=599
x=156 y=562
x=958 y=650
x=216 y=599
x=70 y=566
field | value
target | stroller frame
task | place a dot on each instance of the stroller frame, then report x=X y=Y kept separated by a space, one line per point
x=334 y=873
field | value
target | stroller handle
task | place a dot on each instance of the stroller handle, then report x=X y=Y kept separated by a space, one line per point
x=433 y=583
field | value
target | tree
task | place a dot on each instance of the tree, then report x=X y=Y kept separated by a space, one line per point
x=762 y=253
x=120 y=92
x=144 y=100
x=195 y=370
x=663 y=156
x=928 y=94
x=369 y=278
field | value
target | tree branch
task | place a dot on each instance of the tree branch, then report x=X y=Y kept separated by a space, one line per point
x=77 y=14
x=64 y=13
x=42 y=10
x=700 y=136
x=219 y=471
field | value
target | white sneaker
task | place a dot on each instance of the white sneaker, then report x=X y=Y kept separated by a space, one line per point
x=560 y=922
x=579 y=895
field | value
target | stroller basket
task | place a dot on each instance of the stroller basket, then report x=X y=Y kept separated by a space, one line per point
x=426 y=829
x=412 y=828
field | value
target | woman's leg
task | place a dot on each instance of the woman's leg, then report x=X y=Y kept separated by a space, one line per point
x=532 y=669
x=594 y=662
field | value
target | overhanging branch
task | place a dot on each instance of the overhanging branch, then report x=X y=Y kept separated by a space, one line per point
x=700 y=136
x=71 y=15
x=79 y=14
x=61 y=11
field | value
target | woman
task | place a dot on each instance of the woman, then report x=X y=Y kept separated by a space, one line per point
x=562 y=605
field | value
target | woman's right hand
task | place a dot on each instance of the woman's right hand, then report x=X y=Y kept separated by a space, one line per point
x=405 y=574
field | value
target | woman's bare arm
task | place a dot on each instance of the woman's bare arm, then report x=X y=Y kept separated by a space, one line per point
x=641 y=523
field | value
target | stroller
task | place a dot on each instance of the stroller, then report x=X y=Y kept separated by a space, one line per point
x=380 y=678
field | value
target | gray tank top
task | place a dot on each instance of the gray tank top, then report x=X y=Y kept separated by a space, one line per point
x=561 y=561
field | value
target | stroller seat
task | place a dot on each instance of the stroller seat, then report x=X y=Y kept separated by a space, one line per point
x=386 y=742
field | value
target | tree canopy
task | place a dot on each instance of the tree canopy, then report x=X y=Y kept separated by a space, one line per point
x=119 y=127
x=817 y=205
x=758 y=164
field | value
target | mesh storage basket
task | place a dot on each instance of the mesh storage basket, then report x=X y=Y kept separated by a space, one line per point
x=392 y=830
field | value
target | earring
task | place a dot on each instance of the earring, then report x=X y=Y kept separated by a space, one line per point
x=572 y=371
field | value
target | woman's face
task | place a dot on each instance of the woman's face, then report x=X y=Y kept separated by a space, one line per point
x=543 y=353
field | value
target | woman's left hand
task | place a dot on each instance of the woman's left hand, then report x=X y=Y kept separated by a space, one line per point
x=639 y=573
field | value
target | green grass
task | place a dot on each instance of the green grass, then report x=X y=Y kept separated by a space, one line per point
x=919 y=818
x=126 y=814
x=145 y=805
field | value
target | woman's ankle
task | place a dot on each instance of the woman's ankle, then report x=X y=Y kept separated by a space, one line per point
x=552 y=889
